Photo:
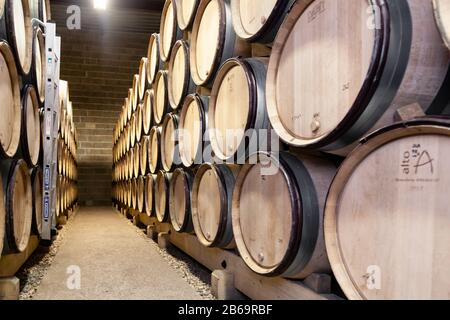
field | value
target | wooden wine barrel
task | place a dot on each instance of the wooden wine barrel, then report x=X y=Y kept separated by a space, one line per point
x=128 y=104
x=212 y=194
x=18 y=31
x=442 y=15
x=154 y=59
x=2 y=213
x=213 y=41
x=154 y=149
x=147 y=112
x=140 y=194
x=131 y=163
x=10 y=97
x=170 y=154
x=180 y=201
x=19 y=210
x=138 y=124
x=133 y=130
x=161 y=106
x=238 y=107
x=134 y=194
x=135 y=87
x=39 y=63
x=186 y=11
x=31 y=127
x=136 y=160
x=369 y=72
x=180 y=83
x=285 y=196
x=127 y=138
x=150 y=181
x=169 y=31
x=143 y=158
x=37 y=196
x=58 y=196
x=193 y=130
x=129 y=194
x=162 y=194
x=142 y=78
x=386 y=217
x=259 y=21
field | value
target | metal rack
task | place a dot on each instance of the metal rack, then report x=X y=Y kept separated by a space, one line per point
x=51 y=120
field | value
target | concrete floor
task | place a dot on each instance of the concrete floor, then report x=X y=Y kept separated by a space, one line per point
x=114 y=263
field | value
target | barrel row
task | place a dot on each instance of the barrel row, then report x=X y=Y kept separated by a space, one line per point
x=67 y=181
x=20 y=205
x=285 y=194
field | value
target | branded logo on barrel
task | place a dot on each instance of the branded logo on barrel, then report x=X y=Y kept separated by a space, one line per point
x=418 y=165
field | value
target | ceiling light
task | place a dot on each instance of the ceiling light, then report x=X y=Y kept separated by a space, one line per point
x=100 y=4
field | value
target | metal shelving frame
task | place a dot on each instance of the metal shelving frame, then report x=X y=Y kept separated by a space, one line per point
x=51 y=121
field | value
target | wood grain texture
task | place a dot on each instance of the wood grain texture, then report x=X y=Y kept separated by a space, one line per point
x=250 y=16
x=193 y=124
x=147 y=115
x=186 y=10
x=154 y=58
x=442 y=13
x=161 y=106
x=387 y=197
x=10 y=93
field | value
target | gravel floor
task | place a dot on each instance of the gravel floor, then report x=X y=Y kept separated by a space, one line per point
x=36 y=267
x=34 y=270
x=195 y=274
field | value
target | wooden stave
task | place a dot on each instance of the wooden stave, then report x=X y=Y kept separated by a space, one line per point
x=132 y=136
x=142 y=84
x=136 y=160
x=140 y=194
x=203 y=103
x=37 y=194
x=8 y=32
x=225 y=175
x=256 y=71
x=162 y=178
x=176 y=33
x=188 y=84
x=13 y=144
x=268 y=31
x=138 y=122
x=30 y=150
x=157 y=119
x=147 y=112
x=229 y=44
x=150 y=203
x=134 y=203
x=307 y=253
x=155 y=149
x=420 y=126
x=135 y=98
x=174 y=118
x=130 y=163
x=382 y=74
x=182 y=24
x=144 y=155
x=187 y=226
x=151 y=74
x=11 y=169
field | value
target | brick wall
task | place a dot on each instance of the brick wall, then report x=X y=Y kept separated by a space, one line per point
x=99 y=61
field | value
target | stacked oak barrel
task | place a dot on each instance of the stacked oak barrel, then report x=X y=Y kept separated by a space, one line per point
x=349 y=191
x=22 y=95
x=67 y=186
